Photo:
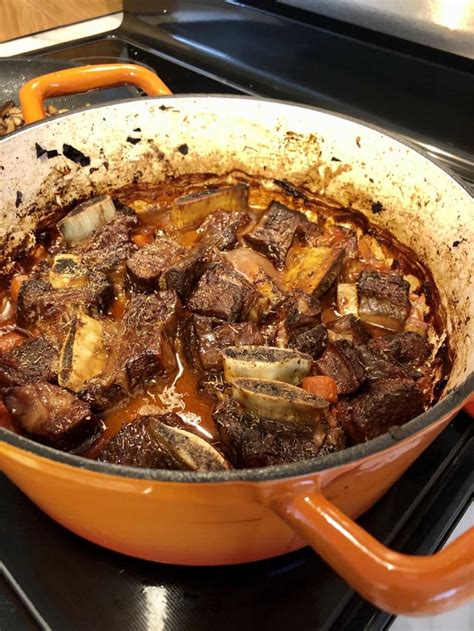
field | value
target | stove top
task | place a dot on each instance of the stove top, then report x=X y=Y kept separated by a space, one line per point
x=52 y=579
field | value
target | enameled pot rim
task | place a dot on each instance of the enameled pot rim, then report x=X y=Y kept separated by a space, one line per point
x=451 y=402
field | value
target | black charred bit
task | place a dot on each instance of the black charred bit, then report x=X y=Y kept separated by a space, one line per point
x=75 y=155
x=377 y=207
x=290 y=189
x=39 y=150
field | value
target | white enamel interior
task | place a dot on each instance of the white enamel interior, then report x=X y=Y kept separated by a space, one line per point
x=355 y=165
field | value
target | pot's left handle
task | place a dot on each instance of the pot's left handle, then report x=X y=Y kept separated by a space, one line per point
x=84 y=78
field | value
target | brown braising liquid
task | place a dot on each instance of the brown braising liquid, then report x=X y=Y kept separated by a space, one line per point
x=179 y=392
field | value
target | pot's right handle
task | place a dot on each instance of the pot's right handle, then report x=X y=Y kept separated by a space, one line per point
x=398 y=583
x=84 y=78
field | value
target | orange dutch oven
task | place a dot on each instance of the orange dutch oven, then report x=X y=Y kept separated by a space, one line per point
x=202 y=518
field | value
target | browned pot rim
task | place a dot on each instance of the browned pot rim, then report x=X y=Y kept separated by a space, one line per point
x=451 y=403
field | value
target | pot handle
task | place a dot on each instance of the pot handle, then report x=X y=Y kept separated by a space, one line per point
x=398 y=583
x=469 y=406
x=84 y=78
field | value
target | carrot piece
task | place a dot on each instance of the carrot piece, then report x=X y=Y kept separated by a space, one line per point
x=9 y=341
x=15 y=285
x=322 y=386
x=142 y=239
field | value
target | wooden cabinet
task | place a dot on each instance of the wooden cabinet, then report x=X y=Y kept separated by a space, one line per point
x=24 y=17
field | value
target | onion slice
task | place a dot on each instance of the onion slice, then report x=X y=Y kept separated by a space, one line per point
x=85 y=219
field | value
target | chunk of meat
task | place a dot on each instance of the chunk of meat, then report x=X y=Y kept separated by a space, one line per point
x=31 y=297
x=51 y=413
x=312 y=341
x=409 y=349
x=145 y=267
x=342 y=362
x=183 y=274
x=34 y=360
x=302 y=311
x=275 y=232
x=163 y=442
x=220 y=229
x=248 y=441
x=145 y=349
x=387 y=403
x=378 y=366
x=39 y=304
x=110 y=245
x=136 y=446
x=314 y=270
x=383 y=299
x=103 y=392
x=348 y=328
x=251 y=264
x=222 y=293
x=142 y=350
x=10 y=339
x=207 y=337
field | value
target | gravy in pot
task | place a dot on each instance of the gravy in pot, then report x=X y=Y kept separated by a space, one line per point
x=209 y=325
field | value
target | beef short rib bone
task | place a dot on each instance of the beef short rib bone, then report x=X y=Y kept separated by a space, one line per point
x=266 y=362
x=314 y=270
x=191 y=210
x=383 y=299
x=279 y=401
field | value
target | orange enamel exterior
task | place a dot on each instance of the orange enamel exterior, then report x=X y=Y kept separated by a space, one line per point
x=74 y=80
x=237 y=521
x=240 y=521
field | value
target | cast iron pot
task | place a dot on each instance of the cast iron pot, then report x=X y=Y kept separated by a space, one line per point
x=246 y=515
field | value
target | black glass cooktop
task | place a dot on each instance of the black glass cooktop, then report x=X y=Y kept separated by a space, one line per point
x=52 y=579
